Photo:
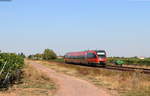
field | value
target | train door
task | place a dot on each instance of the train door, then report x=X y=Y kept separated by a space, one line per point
x=91 y=58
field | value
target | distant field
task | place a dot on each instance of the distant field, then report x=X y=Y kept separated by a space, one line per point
x=131 y=61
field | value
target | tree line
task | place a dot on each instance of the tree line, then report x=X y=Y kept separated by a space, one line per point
x=48 y=54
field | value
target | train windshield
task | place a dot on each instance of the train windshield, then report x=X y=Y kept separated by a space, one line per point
x=101 y=54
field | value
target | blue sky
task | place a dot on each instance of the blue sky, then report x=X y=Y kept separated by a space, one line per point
x=121 y=27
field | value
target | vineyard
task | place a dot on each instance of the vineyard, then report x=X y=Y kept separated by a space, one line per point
x=10 y=66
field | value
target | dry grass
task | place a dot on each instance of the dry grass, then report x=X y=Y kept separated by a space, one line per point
x=125 y=83
x=34 y=83
x=137 y=66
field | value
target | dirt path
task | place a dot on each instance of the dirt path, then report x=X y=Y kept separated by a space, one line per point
x=70 y=86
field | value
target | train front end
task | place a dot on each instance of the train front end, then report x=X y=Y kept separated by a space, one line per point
x=102 y=58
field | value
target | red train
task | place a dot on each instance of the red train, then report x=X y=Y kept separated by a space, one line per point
x=90 y=57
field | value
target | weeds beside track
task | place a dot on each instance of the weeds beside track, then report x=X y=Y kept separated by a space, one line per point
x=122 y=68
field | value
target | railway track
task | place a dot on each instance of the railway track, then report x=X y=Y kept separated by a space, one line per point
x=122 y=68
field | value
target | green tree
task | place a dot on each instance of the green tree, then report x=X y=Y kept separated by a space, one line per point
x=22 y=55
x=38 y=56
x=30 y=56
x=49 y=54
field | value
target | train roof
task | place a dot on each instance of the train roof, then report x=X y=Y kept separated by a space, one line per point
x=83 y=52
x=99 y=50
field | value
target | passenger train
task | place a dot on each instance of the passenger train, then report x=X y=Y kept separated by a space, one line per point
x=90 y=57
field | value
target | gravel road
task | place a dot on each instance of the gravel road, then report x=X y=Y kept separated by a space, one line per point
x=69 y=85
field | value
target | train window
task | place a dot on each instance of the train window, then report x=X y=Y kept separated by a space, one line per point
x=66 y=56
x=91 y=55
x=82 y=57
x=73 y=57
x=76 y=57
x=102 y=56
